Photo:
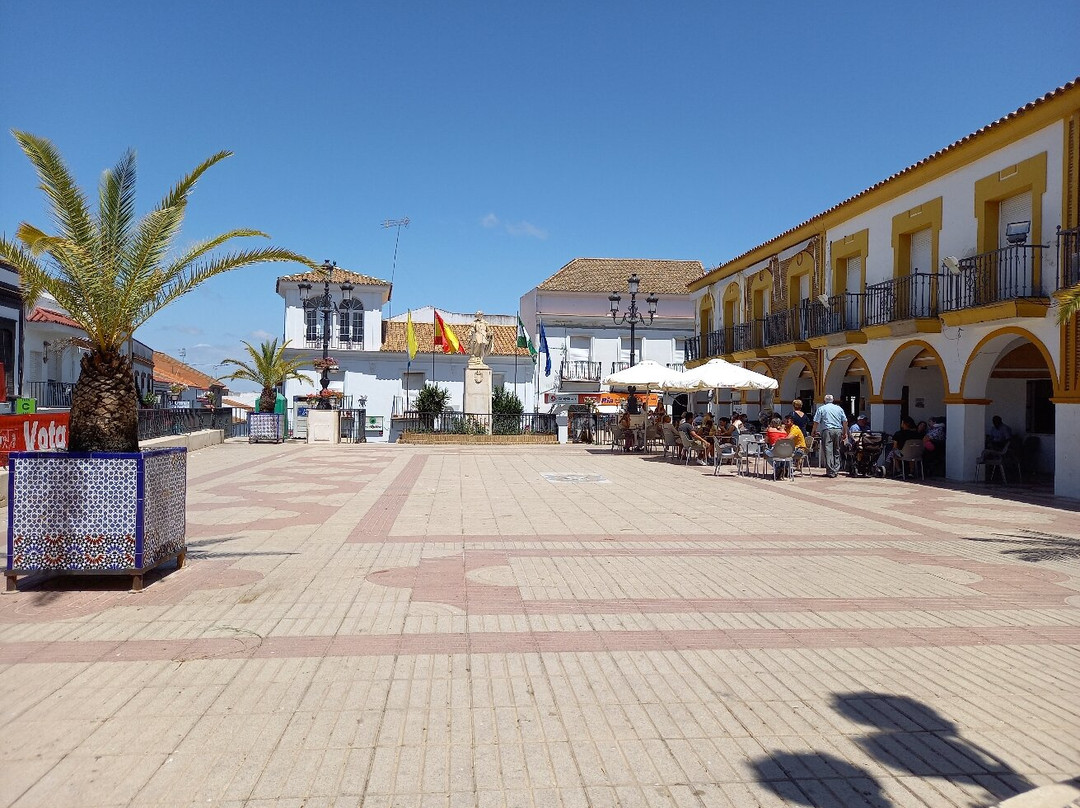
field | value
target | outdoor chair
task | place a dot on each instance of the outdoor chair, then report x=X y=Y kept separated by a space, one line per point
x=782 y=457
x=911 y=453
x=724 y=451
x=806 y=462
x=652 y=436
x=691 y=448
x=993 y=459
x=671 y=440
x=750 y=448
x=617 y=437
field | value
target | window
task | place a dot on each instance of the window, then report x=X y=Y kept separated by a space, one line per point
x=680 y=351
x=624 y=349
x=312 y=321
x=351 y=321
x=578 y=350
x=1040 y=409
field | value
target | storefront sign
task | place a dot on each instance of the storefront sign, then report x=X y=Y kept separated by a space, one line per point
x=33 y=433
x=601 y=399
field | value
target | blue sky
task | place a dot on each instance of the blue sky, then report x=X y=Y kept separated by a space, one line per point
x=515 y=136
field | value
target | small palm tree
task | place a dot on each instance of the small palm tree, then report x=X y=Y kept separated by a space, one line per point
x=112 y=271
x=268 y=368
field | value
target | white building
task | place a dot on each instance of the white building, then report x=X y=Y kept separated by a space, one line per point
x=929 y=294
x=375 y=372
x=586 y=345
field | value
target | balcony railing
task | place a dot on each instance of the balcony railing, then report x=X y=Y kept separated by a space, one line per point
x=617 y=367
x=1068 y=249
x=909 y=297
x=51 y=394
x=336 y=343
x=993 y=277
x=458 y=423
x=741 y=337
x=839 y=313
x=579 y=371
x=693 y=348
x=678 y=367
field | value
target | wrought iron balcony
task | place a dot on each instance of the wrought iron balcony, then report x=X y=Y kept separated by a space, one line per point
x=716 y=343
x=693 y=348
x=616 y=367
x=909 y=297
x=1068 y=249
x=741 y=337
x=839 y=313
x=576 y=370
x=993 y=277
x=51 y=394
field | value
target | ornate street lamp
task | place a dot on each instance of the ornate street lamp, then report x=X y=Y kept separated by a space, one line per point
x=326 y=305
x=632 y=315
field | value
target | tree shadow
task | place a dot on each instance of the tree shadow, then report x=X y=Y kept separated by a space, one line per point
x=907 y=736
x=819 y=780
x=915 y=738
x=1035 y=545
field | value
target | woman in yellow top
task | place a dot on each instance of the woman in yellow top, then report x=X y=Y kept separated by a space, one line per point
x=797 y=437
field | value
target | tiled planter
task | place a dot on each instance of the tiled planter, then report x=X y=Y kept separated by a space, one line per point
x=97 y=513
x=266 y=427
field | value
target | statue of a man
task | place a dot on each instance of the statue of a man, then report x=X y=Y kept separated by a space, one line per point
x=482 y=340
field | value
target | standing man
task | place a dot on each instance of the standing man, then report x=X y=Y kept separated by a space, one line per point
x=830 y=423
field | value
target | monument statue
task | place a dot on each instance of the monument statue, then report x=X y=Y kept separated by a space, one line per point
x=481 y=341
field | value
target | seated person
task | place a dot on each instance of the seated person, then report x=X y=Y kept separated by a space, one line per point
x=906 y=432
x=862 y=424
x=628 y=432
x=775 y=431
x=998 y=436
x=693 y=436
x=659 y=413
x=738 y=423
x=707 y=426
x=797 y=437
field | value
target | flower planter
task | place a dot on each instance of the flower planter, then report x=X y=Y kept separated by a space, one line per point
x=98 y=513
x=265 y=427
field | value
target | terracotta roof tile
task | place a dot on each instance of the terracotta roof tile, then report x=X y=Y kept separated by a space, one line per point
x=170 y=370
x=608 y=274
x=41 y=315
x=338 y=275
x=505 y=337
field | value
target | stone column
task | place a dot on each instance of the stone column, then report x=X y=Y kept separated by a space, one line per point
x=965 y=436
x=323 y=426
x=477 y=388
x=1066 y=467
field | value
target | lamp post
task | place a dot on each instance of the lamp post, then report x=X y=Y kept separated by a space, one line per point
x=327 y=306
x=632 y=315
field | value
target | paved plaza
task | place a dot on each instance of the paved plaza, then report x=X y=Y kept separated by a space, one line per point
x=554 y=626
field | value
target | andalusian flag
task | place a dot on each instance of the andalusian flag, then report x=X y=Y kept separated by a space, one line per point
x=445 y=338
x=523 y=340
x=410 y=337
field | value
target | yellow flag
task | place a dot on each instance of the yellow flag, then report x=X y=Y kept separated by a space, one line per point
x=410 y=337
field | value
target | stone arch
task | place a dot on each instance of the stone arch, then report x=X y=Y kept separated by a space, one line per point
x=917 y=367
x=789 y=379
x=985 y=355
x=901 y=359
x=838 y=367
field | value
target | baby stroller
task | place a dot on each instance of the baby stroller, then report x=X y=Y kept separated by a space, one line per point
x=866 y=454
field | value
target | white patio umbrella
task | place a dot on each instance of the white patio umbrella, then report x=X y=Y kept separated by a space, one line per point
x=716 y=374
x=645 y=375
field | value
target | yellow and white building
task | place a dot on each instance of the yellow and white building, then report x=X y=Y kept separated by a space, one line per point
x=930 y=293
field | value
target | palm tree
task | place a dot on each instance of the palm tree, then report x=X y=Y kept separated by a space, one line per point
x=268 y=368
x=112 y=271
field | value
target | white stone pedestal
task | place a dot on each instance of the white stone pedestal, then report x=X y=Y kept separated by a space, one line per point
x=322 y=426
x=477 y=388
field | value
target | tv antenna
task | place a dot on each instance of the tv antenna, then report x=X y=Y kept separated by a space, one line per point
x=398 y=223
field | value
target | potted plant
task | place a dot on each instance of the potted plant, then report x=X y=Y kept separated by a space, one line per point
x=329 y=363
x=104 y=506
x=268 y=368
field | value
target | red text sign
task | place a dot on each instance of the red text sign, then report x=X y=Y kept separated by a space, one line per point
x=33 y=433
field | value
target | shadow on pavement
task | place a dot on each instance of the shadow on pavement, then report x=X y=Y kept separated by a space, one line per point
x=1035 y=546
x=907 y=735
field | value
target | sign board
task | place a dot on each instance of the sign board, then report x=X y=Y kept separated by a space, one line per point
x=33 y=433
x=374 y=424
x=601 y=399
x=25 y=406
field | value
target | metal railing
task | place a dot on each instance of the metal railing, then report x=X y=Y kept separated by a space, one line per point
x=693 y=348
x=463 y=423
x=158 y=423
x=352 y=426
x=51 y=394
x=677 y=366
x=1004 y=274
x=741 y=337
x=336 y=343
x=1068 y=250
x=909 y=297
x=616 y=367
x=840 y=312
x=576 y=370
x=716 y=343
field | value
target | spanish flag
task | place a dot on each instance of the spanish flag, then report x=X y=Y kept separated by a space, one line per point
x=445 y=338
x=410 y=337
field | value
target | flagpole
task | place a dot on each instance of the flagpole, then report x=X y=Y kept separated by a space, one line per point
x=433 y=315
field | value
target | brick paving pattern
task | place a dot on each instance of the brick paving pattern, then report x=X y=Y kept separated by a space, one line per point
x=554 y=626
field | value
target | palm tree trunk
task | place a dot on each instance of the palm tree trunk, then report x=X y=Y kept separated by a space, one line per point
x=268 y=399
x=104 y=405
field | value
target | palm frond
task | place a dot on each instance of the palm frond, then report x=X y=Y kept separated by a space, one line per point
x=177 y=197
x=69 y=204
x=193 y=276
x=30 y=270
x=268 y=366
x=1068 y=303
x=116 y=210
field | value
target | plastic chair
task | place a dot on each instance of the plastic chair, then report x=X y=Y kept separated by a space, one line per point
x=750 y=448
x=724 y=451
x=992 y=459
x=781 y=455
x=690 y=448
x=912 y=452
x=813 y=444
x=617 y=437
x=671 y=440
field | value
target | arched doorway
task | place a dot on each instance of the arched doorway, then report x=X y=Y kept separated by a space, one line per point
x=797 y=381
x=915 y=384
x=1014 y=372
x=848 y=381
